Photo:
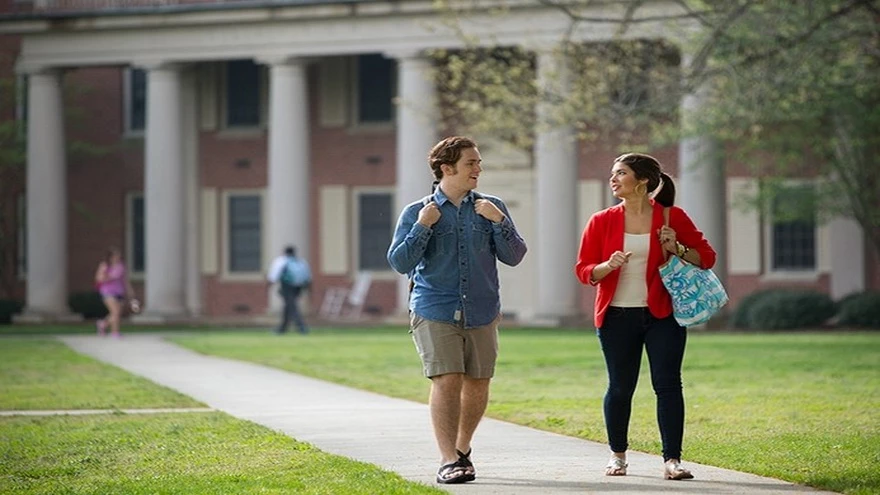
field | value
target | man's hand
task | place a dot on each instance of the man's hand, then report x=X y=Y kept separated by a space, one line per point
x=429 y=214
x=488 y=210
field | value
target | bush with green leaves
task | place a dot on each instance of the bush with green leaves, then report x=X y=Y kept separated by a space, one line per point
x=861 y=309
x=9 y=307
x=786 y=309
x=740 y=316
x=88 y=304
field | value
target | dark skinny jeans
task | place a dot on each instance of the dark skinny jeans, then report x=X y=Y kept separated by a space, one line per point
x=622 y=335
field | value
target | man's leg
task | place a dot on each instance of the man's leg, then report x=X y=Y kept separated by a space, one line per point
x=295 y=314
x=440 y=347
x=474 y=398
x=285 y=311
x=446 y=413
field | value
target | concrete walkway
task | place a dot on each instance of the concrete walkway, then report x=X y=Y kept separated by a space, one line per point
x=395 y=434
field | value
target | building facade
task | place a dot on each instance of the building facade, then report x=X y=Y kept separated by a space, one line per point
x=204 y=137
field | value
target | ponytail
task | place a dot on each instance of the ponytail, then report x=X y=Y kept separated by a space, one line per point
x=666 y=193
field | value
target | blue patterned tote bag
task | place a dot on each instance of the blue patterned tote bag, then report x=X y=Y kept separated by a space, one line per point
x=697 y=294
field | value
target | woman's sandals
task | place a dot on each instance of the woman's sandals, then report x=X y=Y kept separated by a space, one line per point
x=460 y=471
x=672 y=470
x=616 y=467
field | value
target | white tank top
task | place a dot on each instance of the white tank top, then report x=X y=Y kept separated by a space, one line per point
x=632 y=288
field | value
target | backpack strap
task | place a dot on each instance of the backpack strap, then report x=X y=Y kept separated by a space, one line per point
x=427 y=199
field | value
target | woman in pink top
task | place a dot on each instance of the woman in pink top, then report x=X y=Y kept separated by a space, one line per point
x=112 y=281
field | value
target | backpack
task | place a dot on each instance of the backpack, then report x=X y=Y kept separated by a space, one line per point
x=296 y=273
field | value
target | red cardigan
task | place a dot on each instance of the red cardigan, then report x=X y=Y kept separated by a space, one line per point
x=604 y=234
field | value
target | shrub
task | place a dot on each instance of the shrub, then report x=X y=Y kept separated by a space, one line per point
x=787 y=309
x=9 y=307
x=740 y=317
x=859 y=310
x=88 y=304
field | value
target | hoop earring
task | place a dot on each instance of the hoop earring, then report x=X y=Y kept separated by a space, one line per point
x=641 y=188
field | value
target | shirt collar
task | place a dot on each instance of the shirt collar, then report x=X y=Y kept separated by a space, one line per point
x=439 y=197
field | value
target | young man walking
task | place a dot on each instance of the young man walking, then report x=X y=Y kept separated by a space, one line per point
x=294 y=276
x=449 y=244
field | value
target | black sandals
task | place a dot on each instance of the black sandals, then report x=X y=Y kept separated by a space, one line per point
x=460 y=471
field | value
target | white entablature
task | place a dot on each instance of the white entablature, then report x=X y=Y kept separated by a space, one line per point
x=181 y=34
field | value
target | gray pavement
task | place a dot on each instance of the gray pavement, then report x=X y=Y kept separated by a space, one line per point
x=395 y=434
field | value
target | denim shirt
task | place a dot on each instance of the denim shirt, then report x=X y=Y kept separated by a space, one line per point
x=452 y=263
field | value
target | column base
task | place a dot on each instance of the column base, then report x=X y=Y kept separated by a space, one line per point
x=38 y=317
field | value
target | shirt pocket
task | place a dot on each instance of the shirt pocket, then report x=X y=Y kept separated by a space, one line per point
x=482 y=232
x=442 y=241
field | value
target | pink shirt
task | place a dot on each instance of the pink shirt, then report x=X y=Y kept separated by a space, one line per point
x=114 y=283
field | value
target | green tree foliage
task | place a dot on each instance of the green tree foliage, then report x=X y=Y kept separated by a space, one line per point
x=797 y=89
x=790 y=88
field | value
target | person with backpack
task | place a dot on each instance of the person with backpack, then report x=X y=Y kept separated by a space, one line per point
x=449 y=244
x=293 y=276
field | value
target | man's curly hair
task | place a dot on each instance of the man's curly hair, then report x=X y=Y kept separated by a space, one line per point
x=448 y=151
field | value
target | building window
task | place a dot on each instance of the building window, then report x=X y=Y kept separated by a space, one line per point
x=375 y=89
x=793 y=230
x=135 y=94
x=375 y=229
x=243 y=88
x=245 y=233
x=136 y=253
x=21 y=234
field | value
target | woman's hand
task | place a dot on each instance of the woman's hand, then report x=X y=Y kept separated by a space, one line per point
x=668 y=239
x=618 y=259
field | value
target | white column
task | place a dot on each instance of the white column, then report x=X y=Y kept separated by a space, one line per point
x=701 y=182
x=164 y=195
x=556 y=164
x=289 y=160
x=416 y=135
x=848 y=270
x=192 y=195
x=46 y=200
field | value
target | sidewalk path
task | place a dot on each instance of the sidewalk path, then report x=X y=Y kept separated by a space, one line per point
x=395 y=434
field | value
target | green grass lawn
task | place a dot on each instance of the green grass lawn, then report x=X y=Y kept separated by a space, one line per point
x=803 y=407
x=46 y=374
x=180 y=453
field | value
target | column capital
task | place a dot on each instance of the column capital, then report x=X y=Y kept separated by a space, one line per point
x=402 y=54
x=283 y=59
x=544 y=46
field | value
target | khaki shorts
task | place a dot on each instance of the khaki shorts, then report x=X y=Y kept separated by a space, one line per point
x=447 y=348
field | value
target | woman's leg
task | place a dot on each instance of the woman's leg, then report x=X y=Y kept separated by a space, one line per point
x=665 y=344
x=621 y=340
x=102 y=323
x=114 y=306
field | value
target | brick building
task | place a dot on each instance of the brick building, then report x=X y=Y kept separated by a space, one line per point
x=226 y=130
